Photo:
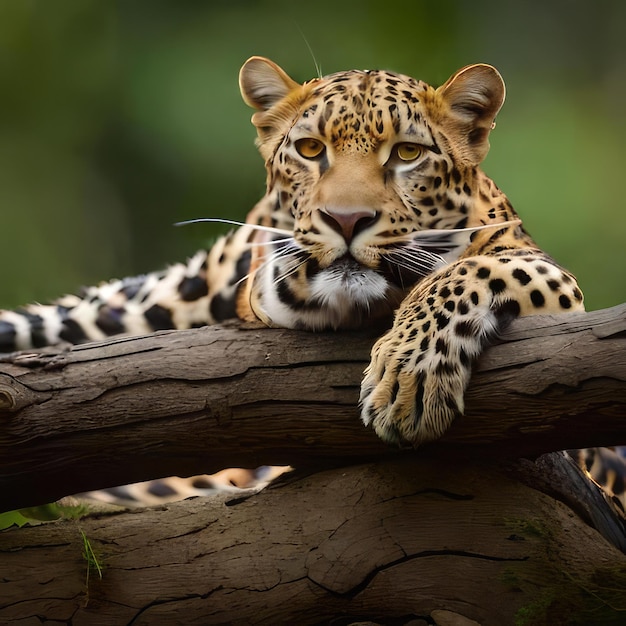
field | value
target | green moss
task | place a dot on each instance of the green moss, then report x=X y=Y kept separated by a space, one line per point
x=44 y=513
x=528 y=527
x=599 y=599
x=561 y=597
x=536 y=612
x=510 y=579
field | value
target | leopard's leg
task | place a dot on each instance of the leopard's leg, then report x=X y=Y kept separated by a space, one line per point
x=196 y=293
x=607 y=468
x=413 y=388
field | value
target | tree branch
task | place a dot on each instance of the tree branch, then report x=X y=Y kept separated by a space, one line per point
x=188 y=402
x=393 y=542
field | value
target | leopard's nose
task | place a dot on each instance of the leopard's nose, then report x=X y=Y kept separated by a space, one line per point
x=349 y=222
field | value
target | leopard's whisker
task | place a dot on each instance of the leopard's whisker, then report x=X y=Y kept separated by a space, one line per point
x=219 y=220
x=275 y=255
x=435 y=237
x=254 y=244
x=289 y=271
x=415 y=259
x=292 y=264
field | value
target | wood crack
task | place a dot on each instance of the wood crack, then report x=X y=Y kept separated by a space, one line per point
x=367 y=580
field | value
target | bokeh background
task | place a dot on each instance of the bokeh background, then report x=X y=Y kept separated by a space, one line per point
x=120 y=117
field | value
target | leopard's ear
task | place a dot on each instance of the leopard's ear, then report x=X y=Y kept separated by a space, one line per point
x=473 y=96
x=263 y=83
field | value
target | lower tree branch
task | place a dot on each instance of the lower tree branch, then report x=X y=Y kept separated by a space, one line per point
x=390 y=542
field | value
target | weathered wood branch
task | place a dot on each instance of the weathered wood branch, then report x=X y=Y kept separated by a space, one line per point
x=197 y=401
x=391 y=542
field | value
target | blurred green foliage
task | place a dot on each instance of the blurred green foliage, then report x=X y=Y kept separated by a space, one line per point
x=120 y=117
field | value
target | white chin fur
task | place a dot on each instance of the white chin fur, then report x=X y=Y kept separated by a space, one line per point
x=340 y=297
x=340 y=290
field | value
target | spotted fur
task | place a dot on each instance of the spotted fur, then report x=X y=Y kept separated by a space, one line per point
x=607 y=467
x=376 y=212
x=173 y=488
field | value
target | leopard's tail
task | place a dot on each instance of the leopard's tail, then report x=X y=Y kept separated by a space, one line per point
x=185 y=295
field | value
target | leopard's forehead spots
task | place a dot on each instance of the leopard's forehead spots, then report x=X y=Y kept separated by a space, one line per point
x=360 y=110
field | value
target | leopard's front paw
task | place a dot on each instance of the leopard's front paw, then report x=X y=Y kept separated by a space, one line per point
x=412 y=391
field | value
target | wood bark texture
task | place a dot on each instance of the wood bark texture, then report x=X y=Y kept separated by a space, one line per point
x=396 y=542
x=189 y=402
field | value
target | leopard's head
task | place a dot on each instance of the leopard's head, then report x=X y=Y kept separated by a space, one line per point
x=358 y=164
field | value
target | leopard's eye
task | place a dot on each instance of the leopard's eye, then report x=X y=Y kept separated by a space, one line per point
x=310 y=148
x=407 y=151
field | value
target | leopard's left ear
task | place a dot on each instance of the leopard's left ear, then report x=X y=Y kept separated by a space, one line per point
x=473 y=96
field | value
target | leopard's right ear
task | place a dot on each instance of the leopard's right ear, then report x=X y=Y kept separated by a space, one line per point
x=263 y=83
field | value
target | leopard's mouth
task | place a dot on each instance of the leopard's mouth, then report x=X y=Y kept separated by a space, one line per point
x=347 y=266
x=350 y=270
x=350 y=285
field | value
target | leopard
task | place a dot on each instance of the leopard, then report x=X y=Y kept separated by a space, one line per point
x=376 y=214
